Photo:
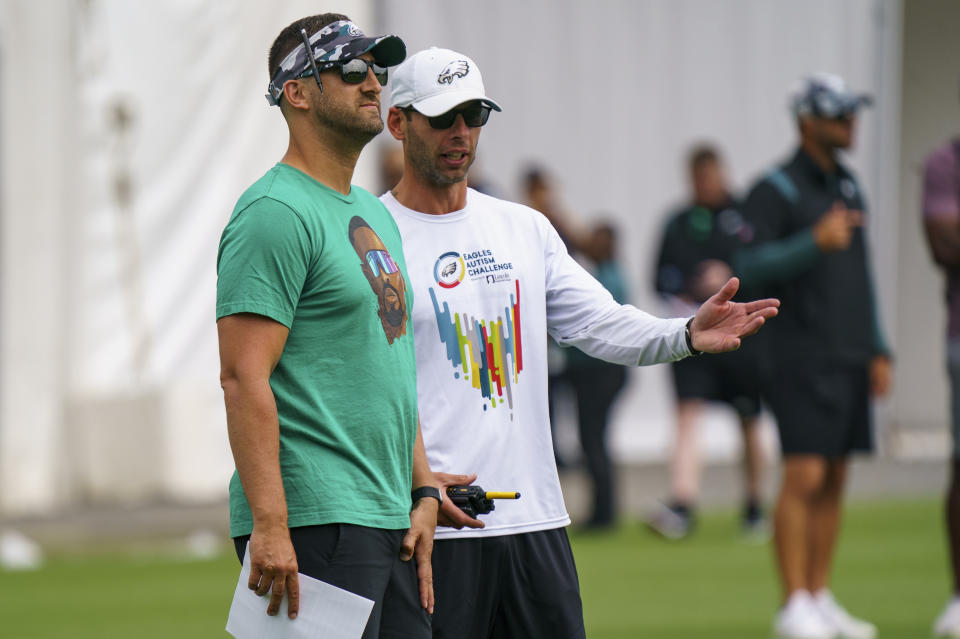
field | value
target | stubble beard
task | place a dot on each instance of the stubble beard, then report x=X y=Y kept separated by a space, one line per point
x=424 y=164
x=347 y=120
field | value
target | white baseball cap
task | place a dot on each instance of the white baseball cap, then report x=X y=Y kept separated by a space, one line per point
x=433 y=81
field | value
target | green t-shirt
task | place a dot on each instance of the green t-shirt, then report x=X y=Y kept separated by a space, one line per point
x=329 y=267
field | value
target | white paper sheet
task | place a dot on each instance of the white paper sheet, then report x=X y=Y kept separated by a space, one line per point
x=326 y=612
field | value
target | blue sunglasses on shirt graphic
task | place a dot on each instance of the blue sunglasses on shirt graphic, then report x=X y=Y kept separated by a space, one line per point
x=379 y=260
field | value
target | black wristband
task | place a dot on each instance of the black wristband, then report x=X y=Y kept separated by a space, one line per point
x=686 y=334
x=425 y=491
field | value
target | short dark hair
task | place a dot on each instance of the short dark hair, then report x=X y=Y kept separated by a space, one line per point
x=290 y=37
x=702 y=154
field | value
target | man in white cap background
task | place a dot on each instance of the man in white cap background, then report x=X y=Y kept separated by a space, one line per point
x=492 y=278
x=825 y=356
x=316 y=350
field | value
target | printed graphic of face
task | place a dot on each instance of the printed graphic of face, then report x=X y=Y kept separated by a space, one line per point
x=384 y=277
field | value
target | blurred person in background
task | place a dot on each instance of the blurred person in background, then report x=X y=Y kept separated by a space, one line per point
x=698 y=245
x=540 y=194
x=826 y=355
x=941 y=221
x=597 y=383
x=312 y=296
x=499 y=280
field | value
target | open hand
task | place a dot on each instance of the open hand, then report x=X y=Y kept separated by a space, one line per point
x=720 y=323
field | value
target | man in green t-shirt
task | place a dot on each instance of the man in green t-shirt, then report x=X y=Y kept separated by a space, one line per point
x=317 y=356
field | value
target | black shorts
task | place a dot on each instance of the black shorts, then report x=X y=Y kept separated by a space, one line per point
x=825 y=412
x=731 y=378
x=508 y=587
x=365 y=561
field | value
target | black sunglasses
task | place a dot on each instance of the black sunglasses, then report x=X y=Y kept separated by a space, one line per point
x=353 y=71
x=473 y=116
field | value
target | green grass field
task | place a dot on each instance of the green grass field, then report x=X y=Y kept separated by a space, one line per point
x=891 y=569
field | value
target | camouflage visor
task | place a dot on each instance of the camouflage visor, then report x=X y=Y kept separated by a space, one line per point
x=337 y=42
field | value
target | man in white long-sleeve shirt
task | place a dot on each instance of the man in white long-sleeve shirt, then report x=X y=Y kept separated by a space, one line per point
x=491 y=279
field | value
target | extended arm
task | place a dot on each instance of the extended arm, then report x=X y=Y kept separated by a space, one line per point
x=250 y=347
x=782 y=252
x=581 y=313
x=778 y=260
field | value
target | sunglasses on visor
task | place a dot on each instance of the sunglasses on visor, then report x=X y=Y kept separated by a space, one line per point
x=379 y=260
x=473 y=116
x=353 y=71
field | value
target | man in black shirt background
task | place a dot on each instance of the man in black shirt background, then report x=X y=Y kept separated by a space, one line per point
x=825 y=355
x=699 y=242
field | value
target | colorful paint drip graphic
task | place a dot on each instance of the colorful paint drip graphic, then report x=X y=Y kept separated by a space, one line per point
x=489 y=354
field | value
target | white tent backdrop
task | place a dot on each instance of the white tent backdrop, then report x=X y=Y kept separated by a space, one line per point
x=110 y=374
x=129 y=129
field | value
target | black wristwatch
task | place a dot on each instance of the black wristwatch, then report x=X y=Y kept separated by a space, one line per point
x=425 y=491
x=686 y=334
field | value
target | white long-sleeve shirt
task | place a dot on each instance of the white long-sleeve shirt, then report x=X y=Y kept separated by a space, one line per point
x=490 y=281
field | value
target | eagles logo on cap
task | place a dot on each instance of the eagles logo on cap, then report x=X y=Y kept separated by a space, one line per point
x=433 y=81
x=456 y=69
